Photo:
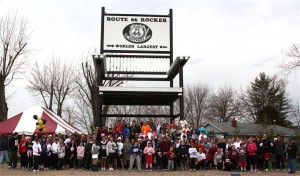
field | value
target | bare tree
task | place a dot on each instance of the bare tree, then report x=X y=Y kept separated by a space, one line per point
x=87 y=89
x=54 y=82
x=196 y=102
x=13 y=40
x=224 y=105
x=291 y=62
x=248 y=112
x=82 y=114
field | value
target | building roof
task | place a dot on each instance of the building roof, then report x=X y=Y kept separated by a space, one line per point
x=250 y=128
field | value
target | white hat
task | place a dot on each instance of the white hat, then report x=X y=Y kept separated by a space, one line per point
x=119 y=138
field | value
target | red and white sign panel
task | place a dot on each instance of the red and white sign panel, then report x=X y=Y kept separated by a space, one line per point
x=136 y=33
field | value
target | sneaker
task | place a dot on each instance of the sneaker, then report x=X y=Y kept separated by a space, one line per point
x=146 y=170
x=9 y=167
x=266 y=170
x=111 y=168
x=150 y=170
x=34 y=170
x=38 y=170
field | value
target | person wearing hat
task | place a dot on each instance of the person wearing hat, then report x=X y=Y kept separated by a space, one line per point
x=29 y=156
x=111 y=149
x=13 y=149
x=119 y=153
x=149 y=152
x=292 y=153
x=36 y=151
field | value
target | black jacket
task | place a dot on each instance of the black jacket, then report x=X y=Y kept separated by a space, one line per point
x=265 y=146
x=279 y=147
x=3 y=143
x=134 y=129
x=292 y=150
x=13 y=144
x=183 y=150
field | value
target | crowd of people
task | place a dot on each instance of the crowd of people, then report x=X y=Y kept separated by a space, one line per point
x=149 y=146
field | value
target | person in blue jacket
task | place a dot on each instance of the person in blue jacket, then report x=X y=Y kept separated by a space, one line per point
x=126 y=131
x=135 y=155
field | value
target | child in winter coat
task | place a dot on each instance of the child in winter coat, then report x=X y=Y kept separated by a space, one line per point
x=23 y=152
x=61 y=154
x=233 y=156
x=183 y=152
x=29 y=157
x=170 y=156
x=80 y=155
x=95 y=153
x=242 y=158
x=252 y=149
x=149 y=152
x=192 y=153
x=158 y=159
x=48 y=154
x=227 y=162
x=218 y=159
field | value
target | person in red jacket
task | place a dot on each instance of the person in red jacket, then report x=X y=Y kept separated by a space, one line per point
x=252 y=148
x=233 y=156
x=119 y=127
x=170 y=155
x=164 y=146
x=198 y=145
x=23 y=152
x=210 y=155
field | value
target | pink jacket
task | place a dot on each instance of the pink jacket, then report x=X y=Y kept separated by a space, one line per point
x=149 y=150
x=251 y=148
x=80 y=151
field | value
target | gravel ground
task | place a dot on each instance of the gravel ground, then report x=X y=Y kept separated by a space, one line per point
x=4 y=171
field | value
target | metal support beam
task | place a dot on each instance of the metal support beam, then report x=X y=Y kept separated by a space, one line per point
x=136 y=73
x=98 y=119
x=136 y=79
x=182 y=96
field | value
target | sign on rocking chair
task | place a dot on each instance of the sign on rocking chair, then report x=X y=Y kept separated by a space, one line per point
x=124 y=33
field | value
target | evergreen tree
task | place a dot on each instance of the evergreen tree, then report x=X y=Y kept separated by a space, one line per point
x=268 y=100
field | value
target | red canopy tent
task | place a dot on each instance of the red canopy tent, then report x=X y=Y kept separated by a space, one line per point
x=24 y=123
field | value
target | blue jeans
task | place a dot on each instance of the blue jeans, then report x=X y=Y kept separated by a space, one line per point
x=292 y=164
x=4 y=156
x=80 y=163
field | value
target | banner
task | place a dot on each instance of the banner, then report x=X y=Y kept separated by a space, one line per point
x=131 y=33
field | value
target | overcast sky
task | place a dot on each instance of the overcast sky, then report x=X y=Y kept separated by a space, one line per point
x=230 y=41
